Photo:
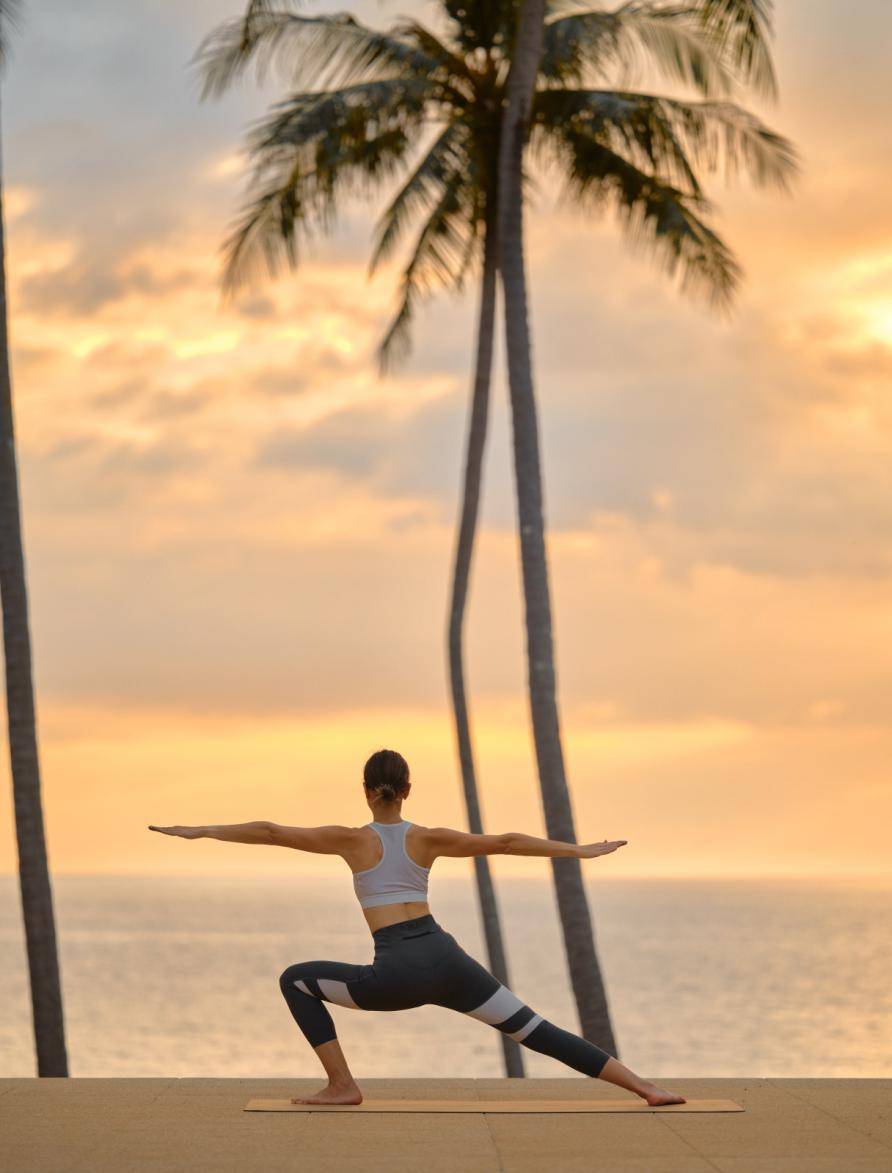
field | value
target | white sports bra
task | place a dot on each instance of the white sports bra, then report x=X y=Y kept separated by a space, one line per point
x=395 y=878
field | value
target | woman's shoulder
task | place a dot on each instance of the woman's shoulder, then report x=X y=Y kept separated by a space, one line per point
x=434 y=832
x=431 y=839
x=419 y=831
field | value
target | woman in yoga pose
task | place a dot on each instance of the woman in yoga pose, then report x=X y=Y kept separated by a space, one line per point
x=416 y=963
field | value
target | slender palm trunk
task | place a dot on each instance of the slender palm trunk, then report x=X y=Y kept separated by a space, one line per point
x=585 y=973
x=37 y=899
x=464 y=549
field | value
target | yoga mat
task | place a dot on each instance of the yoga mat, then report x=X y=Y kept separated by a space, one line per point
x=484 y=1106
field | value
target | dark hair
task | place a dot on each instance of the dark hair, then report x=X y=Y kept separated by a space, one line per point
x=387 y=774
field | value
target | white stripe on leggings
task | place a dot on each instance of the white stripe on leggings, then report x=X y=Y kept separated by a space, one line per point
x=336 y=992
x=497 y=1008
x=520 y=1035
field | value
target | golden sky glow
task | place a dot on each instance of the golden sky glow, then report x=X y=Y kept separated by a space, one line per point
x=239 y=537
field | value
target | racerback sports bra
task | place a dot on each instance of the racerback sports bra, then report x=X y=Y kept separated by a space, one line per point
x=395 y=878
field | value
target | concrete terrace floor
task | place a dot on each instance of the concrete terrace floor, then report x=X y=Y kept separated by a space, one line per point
x=789 y=1126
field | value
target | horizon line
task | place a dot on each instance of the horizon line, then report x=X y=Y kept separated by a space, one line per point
x=237 y=875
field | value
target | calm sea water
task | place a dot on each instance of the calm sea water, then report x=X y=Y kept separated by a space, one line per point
x=179 y=977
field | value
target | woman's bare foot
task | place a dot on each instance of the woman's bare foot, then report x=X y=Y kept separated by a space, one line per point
x=656 y=1096
x=615 y=1072
x=340 y=1093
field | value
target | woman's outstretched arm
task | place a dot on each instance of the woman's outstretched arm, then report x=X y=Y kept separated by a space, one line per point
x=445 y=841
x=323 y=840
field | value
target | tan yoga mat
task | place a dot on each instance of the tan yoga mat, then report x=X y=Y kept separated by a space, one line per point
x=484 y=1106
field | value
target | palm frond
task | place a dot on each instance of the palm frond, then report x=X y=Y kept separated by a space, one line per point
x=720 y=134
x=10 y=19
x=633 y=124
x=656 y=217
x=308 y=51
x=680 y=47
x=671 y=136
x=451 y=63
x=421 y=191
x=742 y=28
x=315 y=151
x=265 y=234
x=575 y=44
x=440 y=259
x=579 y=46
x=344 y=114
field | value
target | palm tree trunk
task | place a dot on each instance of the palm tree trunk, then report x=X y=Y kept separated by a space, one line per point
x=476 y=443
x=37 y=899
x=585 y=973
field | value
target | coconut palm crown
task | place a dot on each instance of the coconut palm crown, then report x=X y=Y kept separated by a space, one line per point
x=419 y=111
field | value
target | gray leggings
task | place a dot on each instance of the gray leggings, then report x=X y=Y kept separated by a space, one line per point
x=417 y=963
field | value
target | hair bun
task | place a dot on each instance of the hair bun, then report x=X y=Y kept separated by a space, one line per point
x=386 y=773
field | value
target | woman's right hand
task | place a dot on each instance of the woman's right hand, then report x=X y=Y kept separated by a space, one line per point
x=590 y=850
x=182 y=832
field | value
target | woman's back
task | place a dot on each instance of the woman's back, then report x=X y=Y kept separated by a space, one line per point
x=396 y=878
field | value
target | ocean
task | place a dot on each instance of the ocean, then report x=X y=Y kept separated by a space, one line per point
x=178 y=976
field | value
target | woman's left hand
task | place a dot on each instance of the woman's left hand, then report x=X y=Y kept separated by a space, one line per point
x=590 y=850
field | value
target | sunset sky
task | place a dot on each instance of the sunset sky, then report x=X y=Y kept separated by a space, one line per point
x=240 y=537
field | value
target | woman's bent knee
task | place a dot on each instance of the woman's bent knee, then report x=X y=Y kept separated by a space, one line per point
x=289 y=977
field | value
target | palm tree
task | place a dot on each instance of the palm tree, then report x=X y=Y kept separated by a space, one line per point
x=221 y=57
x=34 y=878
x=638 y=151
x=461 y=573
x=370 y=107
